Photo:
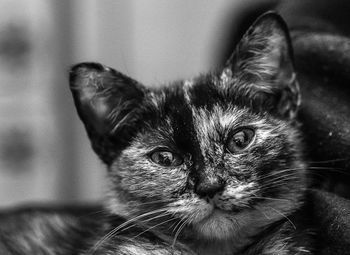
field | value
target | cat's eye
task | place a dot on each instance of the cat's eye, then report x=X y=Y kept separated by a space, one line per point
x=240 y=140
x=166 y=158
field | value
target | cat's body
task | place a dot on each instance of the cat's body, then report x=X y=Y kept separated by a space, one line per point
x=212 y=165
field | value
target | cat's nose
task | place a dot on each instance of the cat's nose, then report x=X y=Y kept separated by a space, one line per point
x=209 y=187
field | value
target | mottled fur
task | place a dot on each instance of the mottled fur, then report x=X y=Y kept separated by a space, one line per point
x=216 y=201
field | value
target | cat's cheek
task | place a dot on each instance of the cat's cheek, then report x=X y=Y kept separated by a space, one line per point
x=160 y=183
x=143 y=178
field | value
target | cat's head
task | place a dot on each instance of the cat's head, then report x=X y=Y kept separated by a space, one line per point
x=216 y=152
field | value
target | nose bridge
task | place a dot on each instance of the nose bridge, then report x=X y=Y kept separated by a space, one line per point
x=207 y=177
x=208 y=182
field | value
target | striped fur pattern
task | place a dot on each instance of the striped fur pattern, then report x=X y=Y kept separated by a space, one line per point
x=214 y=201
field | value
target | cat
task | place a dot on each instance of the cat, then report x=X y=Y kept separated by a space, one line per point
x=210 y=165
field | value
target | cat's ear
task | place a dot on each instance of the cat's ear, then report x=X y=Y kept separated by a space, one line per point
x=263 y=69
x=105 y=99
x=107 y=102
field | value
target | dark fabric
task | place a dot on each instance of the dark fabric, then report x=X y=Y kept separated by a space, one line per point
x=322 y=58
x=322 y=62
x=320 y=31
x=332 y=219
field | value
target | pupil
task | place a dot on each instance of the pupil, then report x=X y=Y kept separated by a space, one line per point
x=165 y=158
x=239 y=140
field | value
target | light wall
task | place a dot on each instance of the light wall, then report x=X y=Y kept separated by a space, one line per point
x=152 y=41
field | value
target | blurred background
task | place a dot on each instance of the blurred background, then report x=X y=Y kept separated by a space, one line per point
x=44 y=152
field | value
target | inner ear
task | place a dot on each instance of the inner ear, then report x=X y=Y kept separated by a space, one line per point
x=109 y=104
x=105 y=99
x=265 y=51
x=262 y=66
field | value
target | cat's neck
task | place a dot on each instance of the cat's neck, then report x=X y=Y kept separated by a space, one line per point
x=242 y=237
x=250 y=239
x=249 y=226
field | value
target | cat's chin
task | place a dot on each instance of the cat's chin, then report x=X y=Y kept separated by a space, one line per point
x=216 y=226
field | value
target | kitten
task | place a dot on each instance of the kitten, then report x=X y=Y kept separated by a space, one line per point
x=211 y=165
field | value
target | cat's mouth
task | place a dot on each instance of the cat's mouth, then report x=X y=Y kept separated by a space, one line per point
x=231 y=206
x=208 y=210
x=212 y=207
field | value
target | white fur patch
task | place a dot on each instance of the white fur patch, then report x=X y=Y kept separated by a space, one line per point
x=240 y=191
x=156 y=98
x=147 y=249
x=282 y=246
x=186 y=87
x=226 y=79
x=191 y=208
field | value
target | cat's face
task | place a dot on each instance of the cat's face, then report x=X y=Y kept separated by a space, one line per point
x=217 y=153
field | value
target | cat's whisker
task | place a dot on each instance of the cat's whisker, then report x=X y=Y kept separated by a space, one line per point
x=163 y=210
x=284 y=179
x=179 y=231
x=265 y=186
x=279 y=172
x=325 y=167
x=157 y=217
x=329 y=161
x=100 y=242
x=285 y=216
x=175 y=223
x=279 y=177
x=178 y=224
x=262 y=212
x=277 y=184
x=282 y=176
x=147 y=220
x=273 y=186
x=150 y=228
x=158 y=201
x=270 y=198
x=116 y=229
x=330 y=169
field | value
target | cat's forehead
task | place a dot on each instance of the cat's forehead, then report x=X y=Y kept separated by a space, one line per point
x=191 y=106
x=209 y=90
x=204 y=91
x=220 y=85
